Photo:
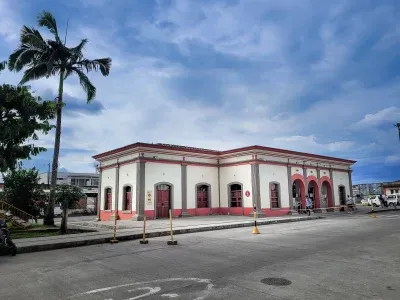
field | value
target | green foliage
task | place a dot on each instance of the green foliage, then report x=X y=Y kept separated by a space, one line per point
x=22 y=115
x=2 y=65
x=68 y=196
x=22 y=189
x=45 y=58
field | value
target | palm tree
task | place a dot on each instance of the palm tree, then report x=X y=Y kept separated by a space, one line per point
x=2 y=65
x=44 y=58
x=398 y=128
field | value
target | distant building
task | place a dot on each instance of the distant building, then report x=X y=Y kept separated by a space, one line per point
x=88 y=182
x=366 y=189
x=391 y=187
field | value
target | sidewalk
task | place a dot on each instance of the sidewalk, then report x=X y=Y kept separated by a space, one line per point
x=131 y=230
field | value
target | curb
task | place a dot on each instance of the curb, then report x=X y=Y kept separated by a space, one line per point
x=136 y=236
x=381 y=211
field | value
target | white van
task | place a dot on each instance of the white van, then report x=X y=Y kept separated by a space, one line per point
x=374 y=201
x=57 y=211
x=393 y=199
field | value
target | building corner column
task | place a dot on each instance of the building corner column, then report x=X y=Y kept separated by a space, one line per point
x=292 y=210
x=255 y=185
x=332 y=187
x=350 y=183
x=98 y=204
x=184 y=191
x=115 y=214
x=140 y=190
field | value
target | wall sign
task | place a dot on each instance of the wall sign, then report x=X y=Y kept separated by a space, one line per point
x=148 y=197
x=247 y=193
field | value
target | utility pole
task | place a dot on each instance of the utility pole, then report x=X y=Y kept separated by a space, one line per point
x=398 y=128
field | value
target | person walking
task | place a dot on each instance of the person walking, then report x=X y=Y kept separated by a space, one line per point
x=308 y=205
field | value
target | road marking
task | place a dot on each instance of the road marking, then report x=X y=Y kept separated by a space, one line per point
x=153 y=290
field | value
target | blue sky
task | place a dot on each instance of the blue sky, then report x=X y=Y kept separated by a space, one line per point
x=315 y=76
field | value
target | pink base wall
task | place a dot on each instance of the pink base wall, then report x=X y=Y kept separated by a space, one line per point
x=276 y=212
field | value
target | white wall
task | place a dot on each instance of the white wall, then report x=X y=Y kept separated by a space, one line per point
x=311 y=172
x=159 y=172
x=340 y=178
x=269 y=173
x=127 y=175
x=324 y=172
x=297 y=170
x=108 y=180
x=240 y=174
x=195 y=175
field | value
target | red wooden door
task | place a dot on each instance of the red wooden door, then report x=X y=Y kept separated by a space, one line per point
x=202 y=199
x=109 y=201
x=128 y=202
x=163 y=204
x=236 y=198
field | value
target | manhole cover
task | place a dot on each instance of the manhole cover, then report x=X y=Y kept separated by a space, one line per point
x=276 y=281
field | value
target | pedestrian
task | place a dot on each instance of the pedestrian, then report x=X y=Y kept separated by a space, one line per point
x=308 y=205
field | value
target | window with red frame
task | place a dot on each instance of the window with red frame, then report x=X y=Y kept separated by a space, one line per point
x=275 y=203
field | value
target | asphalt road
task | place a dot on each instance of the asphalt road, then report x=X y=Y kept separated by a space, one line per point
x=352 y=257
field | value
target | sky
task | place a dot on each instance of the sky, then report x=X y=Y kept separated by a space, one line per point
x=307 y=75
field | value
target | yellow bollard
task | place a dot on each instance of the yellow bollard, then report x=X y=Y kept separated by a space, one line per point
x=114 y=240
x=373 y=215
x=171 y=242
x=255 y=229
x=144 y=241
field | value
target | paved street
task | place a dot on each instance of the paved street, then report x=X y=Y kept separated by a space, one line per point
x=341 y=257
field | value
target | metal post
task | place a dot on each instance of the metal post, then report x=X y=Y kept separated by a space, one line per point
x=255 y=229
x=144 y=241
x=114 y=240
x=171 y=242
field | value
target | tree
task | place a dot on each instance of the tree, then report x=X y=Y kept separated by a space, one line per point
x=398 y=128
x=21 y=116
x=45 y=58
x=68 y=197
x=2 y=65
x=22 y=190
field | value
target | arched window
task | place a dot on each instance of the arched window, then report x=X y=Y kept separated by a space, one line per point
x=107 y=199
x=127 y=198
x=236 y=195
x=275 y=195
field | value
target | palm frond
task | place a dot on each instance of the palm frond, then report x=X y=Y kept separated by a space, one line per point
x=22 y=57
x=46 y=19
x=2 y=65
x=104 y=64
x=77 y=51
x=34 y=73
x=87 y=86
x=32 y=37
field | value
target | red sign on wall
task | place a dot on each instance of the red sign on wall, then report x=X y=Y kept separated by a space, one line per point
x=247 y=193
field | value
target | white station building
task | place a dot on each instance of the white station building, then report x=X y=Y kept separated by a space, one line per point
x=151 y=179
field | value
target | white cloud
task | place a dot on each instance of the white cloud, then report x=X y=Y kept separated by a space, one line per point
x=387 y=115
x=141 y=105
x=393 y=159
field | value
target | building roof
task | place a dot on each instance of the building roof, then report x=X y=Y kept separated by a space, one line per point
x=215 y=152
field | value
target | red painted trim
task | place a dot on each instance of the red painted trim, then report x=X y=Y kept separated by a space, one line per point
x=105 y=215
x=224 y=210
x=216 y=210
x=236 y=211
x=298 y=176
x=302 y=188
x=325 y=178
x=247 y=211
x=149 y=214
x=313 y=178
x=184 y=149
x=273 y=212
x=191 y=211
x=202 y=211
x=125 y=216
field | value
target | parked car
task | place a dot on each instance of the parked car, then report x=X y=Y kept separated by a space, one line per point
x=374 y=201
x=393 y=199
x=364 y=202
x=57 y=211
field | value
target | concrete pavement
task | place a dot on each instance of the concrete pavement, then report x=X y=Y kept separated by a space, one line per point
x=352 y=257
x=130 y=230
